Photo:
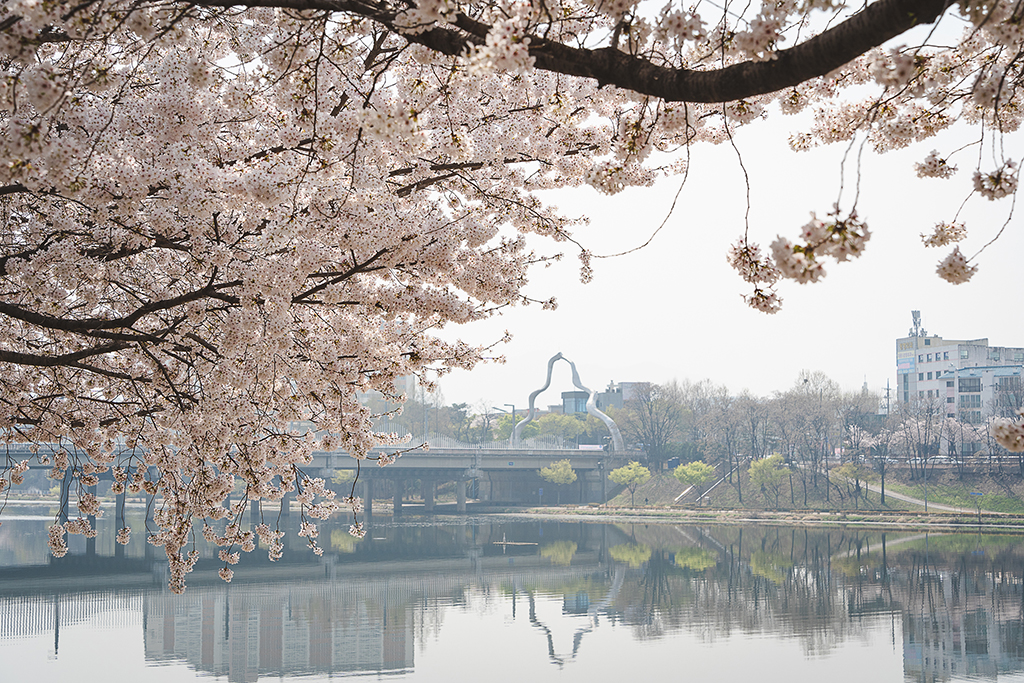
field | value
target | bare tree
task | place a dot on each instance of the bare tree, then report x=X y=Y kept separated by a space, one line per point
x=653 y=416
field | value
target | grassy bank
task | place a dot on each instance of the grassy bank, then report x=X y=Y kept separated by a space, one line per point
x=895 y=519
x=802 y=492
x=1001 y=493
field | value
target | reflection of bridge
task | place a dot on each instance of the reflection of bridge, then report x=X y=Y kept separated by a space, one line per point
x=364 y=623
x=956 y=614
x=343 y=613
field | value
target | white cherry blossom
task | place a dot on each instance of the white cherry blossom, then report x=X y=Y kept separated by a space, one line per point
x=222 y=225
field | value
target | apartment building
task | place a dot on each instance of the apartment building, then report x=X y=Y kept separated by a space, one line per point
x=969 y=377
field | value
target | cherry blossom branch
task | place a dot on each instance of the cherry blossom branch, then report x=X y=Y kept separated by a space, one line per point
x=877 y=23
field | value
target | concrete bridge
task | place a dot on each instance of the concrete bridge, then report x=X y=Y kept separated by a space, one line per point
x=489 y=473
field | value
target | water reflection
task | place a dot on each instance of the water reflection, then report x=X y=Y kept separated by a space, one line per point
x=560 y=597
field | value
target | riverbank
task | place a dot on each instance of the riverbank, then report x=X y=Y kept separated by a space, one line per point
x=901 y=519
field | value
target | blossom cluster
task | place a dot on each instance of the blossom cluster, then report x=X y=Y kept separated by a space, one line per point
x=1009 y=434
x=840 y=239
x=999 y=183
x=759 y=40
x=892 y=69
x=934 y=166
x=955 y=268
x=425 y=14
x=507 y=48
x=945 y=233
x=760 y=271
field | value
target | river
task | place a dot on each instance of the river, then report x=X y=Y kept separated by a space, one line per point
x=499 y=598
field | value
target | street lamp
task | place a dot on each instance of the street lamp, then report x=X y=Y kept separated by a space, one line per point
x=512 y=435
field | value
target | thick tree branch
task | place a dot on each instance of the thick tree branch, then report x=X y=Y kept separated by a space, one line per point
x=89 y=324
x=817 y=56
x=62 y=359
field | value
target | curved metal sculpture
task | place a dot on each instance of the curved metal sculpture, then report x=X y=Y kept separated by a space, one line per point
x=591 y=405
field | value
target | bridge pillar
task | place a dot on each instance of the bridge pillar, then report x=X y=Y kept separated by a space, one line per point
x=90 y=543
x=399 y=487
x=429 y=487
x=286 y=504
x=483 y=484
x=460 y=495
x=149 y=550
x=65 y=496
x=368 y=499
x=119 y=521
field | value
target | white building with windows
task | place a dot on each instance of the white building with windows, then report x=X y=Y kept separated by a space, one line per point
x=972 y=379
x=976 y=393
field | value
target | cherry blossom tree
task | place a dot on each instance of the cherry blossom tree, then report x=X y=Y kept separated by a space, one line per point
x=224 y=220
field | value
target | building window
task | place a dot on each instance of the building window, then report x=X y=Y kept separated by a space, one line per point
x=964 y=353
x=1009 y=392
x=929 y=375
x=920 y=358
x=970 y=384
x=949 y=383
x=927 y=342
x=970 y=401
x=949 y=399
x=929 y=358
x=929 y=393
x=1018 y=356
x=920 y=377
x=574 y=402
x=1009 y=384
x=945 y=355
x=920 y=394
x=993 y=354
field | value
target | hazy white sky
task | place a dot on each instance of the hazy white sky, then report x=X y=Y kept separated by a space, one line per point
x=673 y=310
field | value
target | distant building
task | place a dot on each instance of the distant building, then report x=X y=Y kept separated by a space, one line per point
x=973 y=394
x=970 y=378
x=616 y=395
x=574 y=402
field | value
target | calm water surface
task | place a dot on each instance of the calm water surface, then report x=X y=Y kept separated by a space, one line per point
x=499 y=599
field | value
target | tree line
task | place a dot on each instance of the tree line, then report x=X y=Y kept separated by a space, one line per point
x=813 y=426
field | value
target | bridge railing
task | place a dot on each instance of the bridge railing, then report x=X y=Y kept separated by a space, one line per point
x=545 y=443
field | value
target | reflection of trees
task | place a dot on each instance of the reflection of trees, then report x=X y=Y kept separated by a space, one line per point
x=695 y=559
x=559 y=552
x=655 y=596
x=342 y=541
x=633 y=554
x=960 y=598
x=770 y=566
x=755 y=580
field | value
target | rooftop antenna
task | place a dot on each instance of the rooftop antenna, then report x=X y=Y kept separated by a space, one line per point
x=917 y=330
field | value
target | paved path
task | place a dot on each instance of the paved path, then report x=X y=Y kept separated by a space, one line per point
x=917 y=501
